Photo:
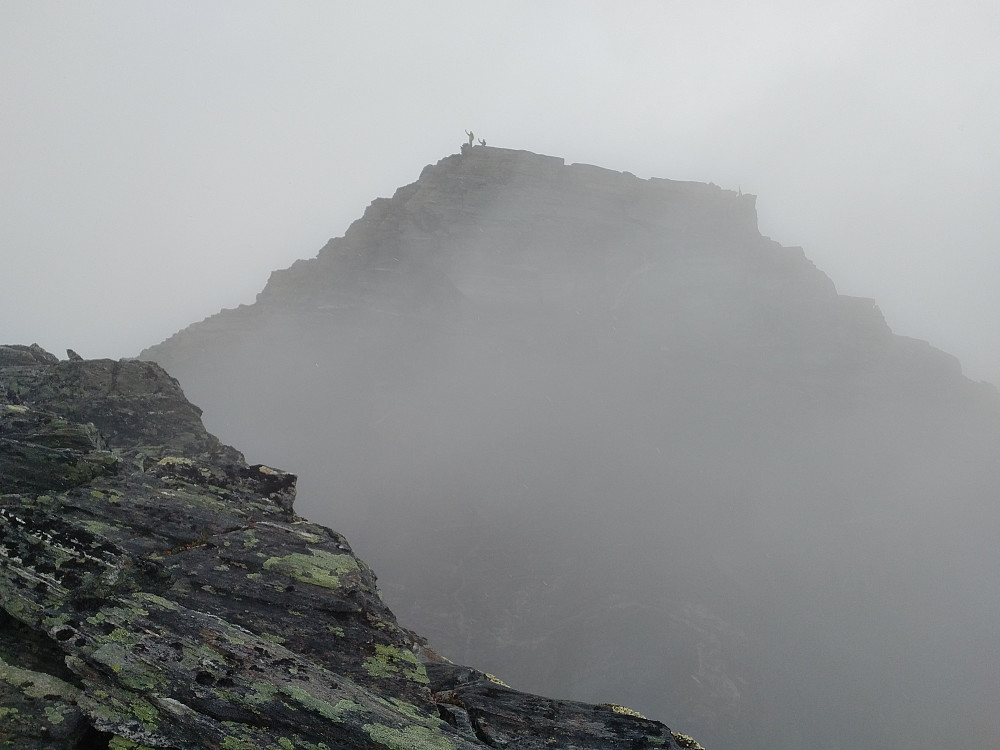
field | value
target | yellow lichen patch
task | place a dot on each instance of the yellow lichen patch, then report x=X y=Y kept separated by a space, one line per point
x=493 y=678
x=175 y=461
x=16 y=409
x=686 y=742
x=624 y=710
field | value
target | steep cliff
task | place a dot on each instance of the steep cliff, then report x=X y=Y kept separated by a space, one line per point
x=597 y=431
x=158 y=592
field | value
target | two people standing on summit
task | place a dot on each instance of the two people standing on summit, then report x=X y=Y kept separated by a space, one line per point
x=472 y=138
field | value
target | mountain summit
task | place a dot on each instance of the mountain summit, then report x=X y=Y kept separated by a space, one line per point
x=596 y=432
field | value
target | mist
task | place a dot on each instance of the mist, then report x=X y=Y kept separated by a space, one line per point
x=161 y=159
x=602 y=438
x=614 y=459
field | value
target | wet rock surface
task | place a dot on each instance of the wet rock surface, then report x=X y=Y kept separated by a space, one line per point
x=160 y=592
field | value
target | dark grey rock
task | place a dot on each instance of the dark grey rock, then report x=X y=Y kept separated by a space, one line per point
x=25 y=356
x=171 y=597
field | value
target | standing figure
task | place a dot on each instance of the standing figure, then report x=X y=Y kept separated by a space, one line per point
x=472 y=136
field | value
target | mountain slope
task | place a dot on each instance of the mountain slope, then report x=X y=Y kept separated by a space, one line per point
x=595 y=430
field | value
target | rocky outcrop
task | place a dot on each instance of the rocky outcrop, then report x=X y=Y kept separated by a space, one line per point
x=601 y=436
x=159 y=592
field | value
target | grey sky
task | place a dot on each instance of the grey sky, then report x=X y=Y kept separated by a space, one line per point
x=161 y=158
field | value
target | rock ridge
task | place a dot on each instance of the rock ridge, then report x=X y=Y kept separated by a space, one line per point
x=159 y=592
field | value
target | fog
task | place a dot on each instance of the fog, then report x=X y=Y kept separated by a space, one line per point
x=678 y=472
x=599 y=437
x=161 y=158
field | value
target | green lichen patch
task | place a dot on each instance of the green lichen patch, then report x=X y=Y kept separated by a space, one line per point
x=100 y=528
x=408 y=738
x=412 y=712
x=134 y=717
x=159 y=601
x=121 y=743
x=333 y=712
x=390 y=660
x=133 y=674
x=36 y=706
x=260 y=693
x=235 y=743
x=198 y=657
x=320 y=568
x=36 y=684
x=145 y=712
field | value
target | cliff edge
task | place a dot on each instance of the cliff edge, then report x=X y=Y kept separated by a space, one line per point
x=159 y=592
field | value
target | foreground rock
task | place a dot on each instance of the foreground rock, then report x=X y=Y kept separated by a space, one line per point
x=159 y=592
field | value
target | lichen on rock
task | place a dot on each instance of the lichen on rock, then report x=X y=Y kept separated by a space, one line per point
x=161 y=593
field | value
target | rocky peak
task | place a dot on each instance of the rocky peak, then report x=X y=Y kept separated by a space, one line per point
x=480 y=207
x=552 y=402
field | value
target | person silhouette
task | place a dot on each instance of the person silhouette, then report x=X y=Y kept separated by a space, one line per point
x=472 y=136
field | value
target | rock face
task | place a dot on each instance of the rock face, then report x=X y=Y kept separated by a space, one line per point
x=159 y=592
x=603 y=438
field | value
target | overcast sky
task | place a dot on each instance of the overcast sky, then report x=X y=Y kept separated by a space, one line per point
x=159 y=159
